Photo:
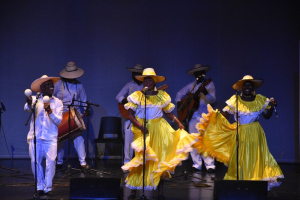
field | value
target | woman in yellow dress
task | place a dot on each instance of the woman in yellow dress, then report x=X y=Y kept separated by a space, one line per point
x=165 y=147
x=218 y=136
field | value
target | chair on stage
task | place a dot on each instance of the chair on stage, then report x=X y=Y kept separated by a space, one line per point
x=110 y=132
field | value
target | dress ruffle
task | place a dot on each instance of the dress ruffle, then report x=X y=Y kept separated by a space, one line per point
x=165 y=149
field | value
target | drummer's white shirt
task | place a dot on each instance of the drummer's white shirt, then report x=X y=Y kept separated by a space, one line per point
x=46 y=126
x=66 y=94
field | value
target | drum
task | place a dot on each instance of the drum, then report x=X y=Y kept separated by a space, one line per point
x=76 y=125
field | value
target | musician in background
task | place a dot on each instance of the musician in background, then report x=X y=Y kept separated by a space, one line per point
x=47 y=118
x=203 y=93
x=128 y=89
x=67 y=88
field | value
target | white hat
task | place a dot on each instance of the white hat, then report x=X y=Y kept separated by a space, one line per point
x=136 y=68
x=71 y=71
x=35 y=86
x=198 y=67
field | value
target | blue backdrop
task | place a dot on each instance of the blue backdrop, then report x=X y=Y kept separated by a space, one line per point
x=260 y=38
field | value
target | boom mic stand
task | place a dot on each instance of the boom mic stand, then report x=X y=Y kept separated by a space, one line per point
x=143 y=197
x=3 y=109
x=88 y=104
x=33 y=108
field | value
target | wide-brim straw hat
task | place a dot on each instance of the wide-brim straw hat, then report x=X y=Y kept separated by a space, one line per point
x=239 y=84
x=137 y=68
x=149 y=72
x=198 y=67
x=71 y=71
x=35 y=86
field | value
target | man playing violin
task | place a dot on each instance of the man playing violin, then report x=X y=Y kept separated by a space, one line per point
x=192 y=101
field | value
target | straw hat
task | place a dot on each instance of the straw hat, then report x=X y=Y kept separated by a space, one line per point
x=71 y=71
x=149 y=72
x=35 y=86
x=137 y=68
x=198 y=67
x=256 y=82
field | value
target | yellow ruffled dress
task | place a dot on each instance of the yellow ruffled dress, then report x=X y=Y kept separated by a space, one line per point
x=165 y=147
x=218 y=139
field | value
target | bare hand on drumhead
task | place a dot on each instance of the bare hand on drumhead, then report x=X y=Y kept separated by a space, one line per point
x=29 y=100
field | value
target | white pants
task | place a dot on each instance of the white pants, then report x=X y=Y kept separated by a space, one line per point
x=197 y=158
x=79 y=146
x=47 y=149
x=128 y=139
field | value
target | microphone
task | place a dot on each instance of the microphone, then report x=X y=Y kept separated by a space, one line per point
x=38 y=95
x=146 y=89
x=271 y=99
x=3 y=107
x=73 y=99
x=28 y=92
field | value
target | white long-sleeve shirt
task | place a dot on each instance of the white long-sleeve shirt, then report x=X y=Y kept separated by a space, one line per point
x=46 y=126
x=204 y=99
x=128 y=89
x=66 y=94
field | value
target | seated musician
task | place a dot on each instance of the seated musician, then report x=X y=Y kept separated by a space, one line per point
x=65 y=89
x=202 y=90
x=48 y=117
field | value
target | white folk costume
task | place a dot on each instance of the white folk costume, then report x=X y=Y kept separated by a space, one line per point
x=204 y=100
x=65 y=91
x=46 y=130
x=127 y=90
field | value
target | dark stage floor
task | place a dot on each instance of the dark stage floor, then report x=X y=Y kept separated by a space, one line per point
x=197 y=185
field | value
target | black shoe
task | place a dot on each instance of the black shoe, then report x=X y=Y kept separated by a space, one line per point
x=59 y=166
x=131 y=197
x=210 y=170
x=160 y=197
x=50 y=193
x=40 y=192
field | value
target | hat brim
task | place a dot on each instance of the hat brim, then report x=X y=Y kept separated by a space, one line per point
x=73 y=74
x=239 y=85
x=204 y=68
x=135 y=70
x=157 y=79
x=35 y=86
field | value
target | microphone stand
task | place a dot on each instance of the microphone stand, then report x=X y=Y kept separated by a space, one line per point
x=237 y=136
x=36 y=195
x=88 y=104
x=143 y=197
x=2 y=108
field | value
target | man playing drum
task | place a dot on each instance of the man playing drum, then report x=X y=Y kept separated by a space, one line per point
x=67 y=88
x=47 y=118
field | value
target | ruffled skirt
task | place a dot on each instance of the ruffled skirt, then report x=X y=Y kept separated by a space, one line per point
x=165 y=149
x=218 y=139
